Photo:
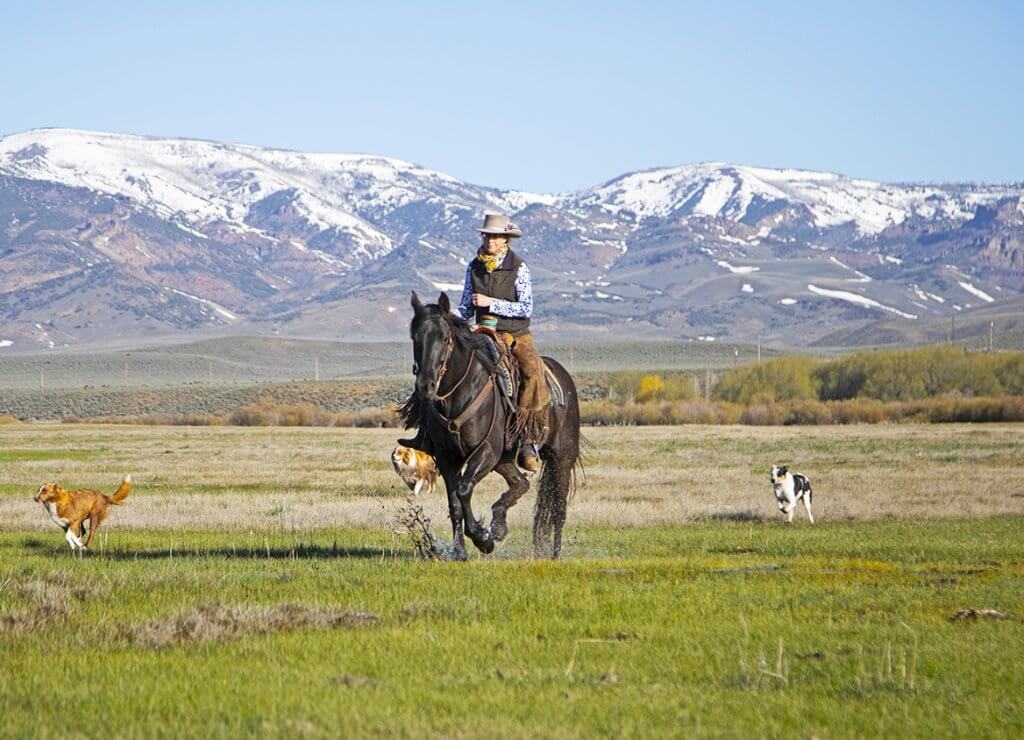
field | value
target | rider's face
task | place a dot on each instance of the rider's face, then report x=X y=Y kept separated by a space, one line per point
x=494 y=244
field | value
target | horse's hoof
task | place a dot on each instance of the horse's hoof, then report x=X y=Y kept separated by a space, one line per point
x=498 y=531
x=486 y=546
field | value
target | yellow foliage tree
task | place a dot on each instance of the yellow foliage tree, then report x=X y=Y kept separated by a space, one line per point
x=651 y=388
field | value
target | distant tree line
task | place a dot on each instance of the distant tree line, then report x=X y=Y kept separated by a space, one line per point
x=883 y=375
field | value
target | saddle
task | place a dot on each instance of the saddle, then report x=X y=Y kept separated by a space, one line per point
x=509 y=373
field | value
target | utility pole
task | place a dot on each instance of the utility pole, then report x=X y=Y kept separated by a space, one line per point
x=759 y=348
x=126 y=368
x=952 y=328
x=316 y=369
x=991 y=335
x=41 y=388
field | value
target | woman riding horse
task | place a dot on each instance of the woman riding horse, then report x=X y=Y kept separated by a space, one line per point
x=498 y=292
x=464 y=421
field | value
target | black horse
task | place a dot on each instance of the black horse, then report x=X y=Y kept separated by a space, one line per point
x=469 y=424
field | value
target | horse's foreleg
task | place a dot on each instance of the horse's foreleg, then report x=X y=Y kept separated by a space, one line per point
x=452 y=481
x=475 y=529
x=518 y=484
x=473 y=474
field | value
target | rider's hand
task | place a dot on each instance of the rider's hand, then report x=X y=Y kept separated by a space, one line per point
x=481 y=300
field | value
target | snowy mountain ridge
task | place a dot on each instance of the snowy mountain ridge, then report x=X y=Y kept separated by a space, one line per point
x=110 y=235
x=202 y=182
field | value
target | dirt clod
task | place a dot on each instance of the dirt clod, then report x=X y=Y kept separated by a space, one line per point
x=354 y=679
x=976 y=614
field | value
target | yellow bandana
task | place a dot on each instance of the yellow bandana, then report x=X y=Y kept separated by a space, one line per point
x=491 y=261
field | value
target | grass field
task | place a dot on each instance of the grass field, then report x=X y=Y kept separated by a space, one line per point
x=251 y=585
x=296 y=479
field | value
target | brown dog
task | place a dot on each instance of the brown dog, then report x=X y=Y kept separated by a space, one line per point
x=416 y=468
x=70 y=509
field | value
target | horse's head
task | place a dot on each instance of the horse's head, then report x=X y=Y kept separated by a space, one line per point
x=431 y=330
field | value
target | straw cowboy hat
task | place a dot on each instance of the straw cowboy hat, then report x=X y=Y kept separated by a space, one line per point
x=499 y=225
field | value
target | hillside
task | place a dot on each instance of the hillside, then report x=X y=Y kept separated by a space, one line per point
x=109 y=237
x=1003 y=320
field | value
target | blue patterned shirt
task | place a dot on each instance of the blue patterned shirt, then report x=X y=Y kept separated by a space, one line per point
x=521 y=308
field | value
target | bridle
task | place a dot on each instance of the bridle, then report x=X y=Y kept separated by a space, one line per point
x=443 y=369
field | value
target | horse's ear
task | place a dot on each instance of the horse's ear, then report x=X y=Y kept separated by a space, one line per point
x=417 y=307
x=444 y=303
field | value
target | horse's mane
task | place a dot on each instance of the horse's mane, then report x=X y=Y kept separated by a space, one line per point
x=468 y=340
x=411 y=412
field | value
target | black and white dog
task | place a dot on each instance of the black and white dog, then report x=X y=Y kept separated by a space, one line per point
x=790 y=488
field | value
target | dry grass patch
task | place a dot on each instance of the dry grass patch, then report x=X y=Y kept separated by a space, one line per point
x=221 y=622
x=301 y=479
x=50 y=599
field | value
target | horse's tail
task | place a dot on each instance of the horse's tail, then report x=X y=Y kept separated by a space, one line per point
x=557 y=482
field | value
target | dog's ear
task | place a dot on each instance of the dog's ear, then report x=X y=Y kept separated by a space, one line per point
x=783 y=470
x=444 y=303
x=417 y=306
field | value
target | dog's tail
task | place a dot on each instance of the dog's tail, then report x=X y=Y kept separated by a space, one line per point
x=122 y=492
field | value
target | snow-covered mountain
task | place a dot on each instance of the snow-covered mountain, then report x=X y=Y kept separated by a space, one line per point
x=199 y=184
x=106 y=236
x=743 y=194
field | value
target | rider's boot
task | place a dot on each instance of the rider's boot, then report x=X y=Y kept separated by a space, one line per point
x=420 y=442
x=529 y=459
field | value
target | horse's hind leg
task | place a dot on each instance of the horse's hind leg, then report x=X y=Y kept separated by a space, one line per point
x=552 y=500
x=562 y=474
x=518 y=485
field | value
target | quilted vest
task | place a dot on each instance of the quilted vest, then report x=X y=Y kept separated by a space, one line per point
x=500 y=284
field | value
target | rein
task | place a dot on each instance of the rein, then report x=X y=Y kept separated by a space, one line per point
x=444 y=369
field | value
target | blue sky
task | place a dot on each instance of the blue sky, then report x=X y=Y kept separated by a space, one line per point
x=541 y=96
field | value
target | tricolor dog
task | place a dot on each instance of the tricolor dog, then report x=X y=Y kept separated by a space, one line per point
x=789 y=488
x=416 y=468
x=70 y=509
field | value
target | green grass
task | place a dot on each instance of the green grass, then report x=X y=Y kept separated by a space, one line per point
x=671 y=630
x=34 y=455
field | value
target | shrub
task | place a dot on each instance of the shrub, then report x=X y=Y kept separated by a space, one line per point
x=629 y=386
x=704 y=412
x=806 y=413
x=782 y=379
x=678 y=388
x=762 y=414
x=1009 y=371
x=860 y=411
x=924 y=372
x=651 y=388
x=623 y=386
x=267 y=413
